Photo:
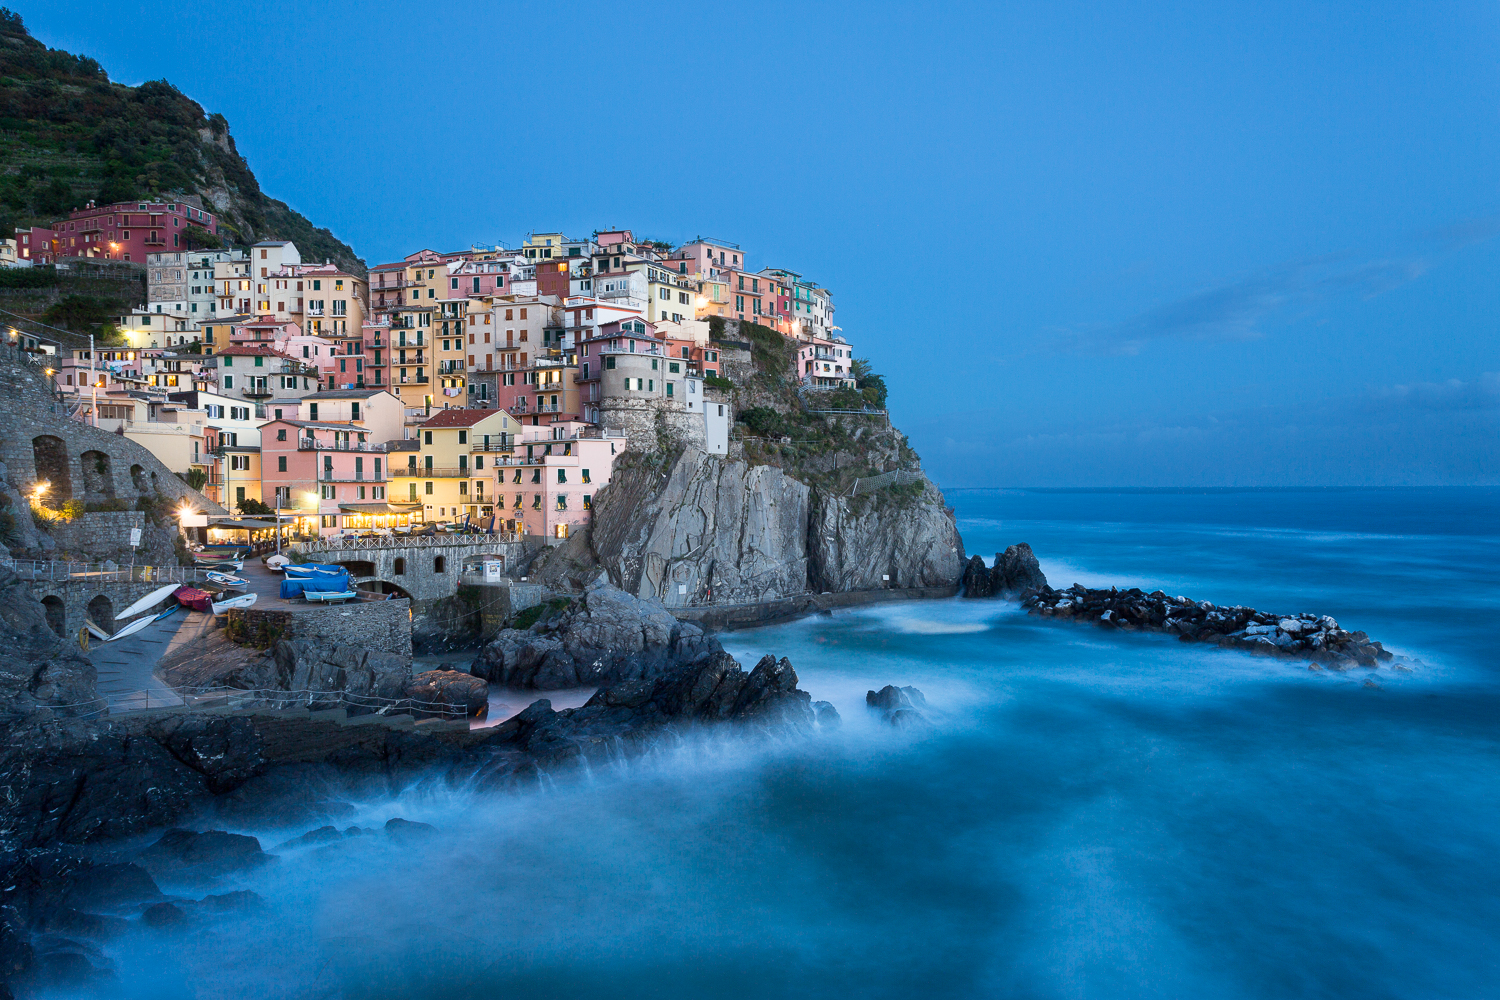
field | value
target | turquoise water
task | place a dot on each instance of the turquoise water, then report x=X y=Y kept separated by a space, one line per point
x=1090 y=815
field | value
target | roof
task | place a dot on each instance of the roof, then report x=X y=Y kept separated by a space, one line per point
x=459 y=418
x=380 y=508
x=252 y=350
x=273 y=243
x=320 y=425
x=364 y=393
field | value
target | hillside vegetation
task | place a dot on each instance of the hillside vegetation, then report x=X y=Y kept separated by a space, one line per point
x=68 y=134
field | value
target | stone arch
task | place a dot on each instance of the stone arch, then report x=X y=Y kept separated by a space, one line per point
x=386 y=587
x=358 y=567
x=98 y=476
x=102 y=612
x=57 y=613
x=138 y=479
x=440 y=564
x=51 y=457
x=399 y=568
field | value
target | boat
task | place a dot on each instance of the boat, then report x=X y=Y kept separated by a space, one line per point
x=228 y=582
x=132 y=628
x=97 y=632
x=151 y=600
x=219 y=565
x=168 y=613
x=329 y=596
x=276 y=562
x=192 y=597
x=237 y=601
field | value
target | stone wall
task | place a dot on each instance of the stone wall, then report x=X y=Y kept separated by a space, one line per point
x=40 y=441
x=67 y=603
x=105 y=535
x=382 y=625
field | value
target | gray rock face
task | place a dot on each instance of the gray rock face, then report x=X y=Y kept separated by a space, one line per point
x=976 y=580
x=721 y=531
x=709 y=528
x=608 y=637
x=304 y=665
x=854 y=547
x=458 y=693
x=39 y=669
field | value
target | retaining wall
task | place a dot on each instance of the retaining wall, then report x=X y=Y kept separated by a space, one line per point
x=382 y=625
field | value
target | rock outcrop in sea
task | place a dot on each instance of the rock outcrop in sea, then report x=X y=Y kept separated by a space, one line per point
x=1015 y=572
x=1303 y=636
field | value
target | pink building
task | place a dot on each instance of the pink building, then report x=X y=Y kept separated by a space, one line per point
x=703 y=256
x=335 y=464
x=129 y=230
x=35 y=244
x=547 y=487
x=479 y=277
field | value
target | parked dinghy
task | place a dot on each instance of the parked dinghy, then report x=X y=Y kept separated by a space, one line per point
x=151 y=600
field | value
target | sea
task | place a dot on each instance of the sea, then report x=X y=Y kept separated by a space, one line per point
x=1086 y=814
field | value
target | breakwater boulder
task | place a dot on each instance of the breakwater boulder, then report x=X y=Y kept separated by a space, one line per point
x=1015 y=573
x=1318 y=638
x=606 y=636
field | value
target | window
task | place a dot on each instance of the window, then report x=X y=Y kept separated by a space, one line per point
x=312 y=411
x=586 y=478
x=562 y=475
x=399 y=566
x=674 y=367
x=588 y=502
x=429 y=489
x=670 y=386
x=281 y=461
x=229 y=381
x=653 y=364
x=463 y=437
x=439 y=564
x=281 y=436
x=354 y=411
x=609 y=363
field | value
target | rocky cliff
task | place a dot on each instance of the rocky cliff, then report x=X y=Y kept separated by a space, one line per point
x=814 y=496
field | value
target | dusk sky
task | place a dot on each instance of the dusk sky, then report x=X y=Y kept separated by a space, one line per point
x=1204 y=245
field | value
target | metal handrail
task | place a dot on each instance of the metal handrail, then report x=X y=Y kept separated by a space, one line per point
x=343 y=543
x=61 y=572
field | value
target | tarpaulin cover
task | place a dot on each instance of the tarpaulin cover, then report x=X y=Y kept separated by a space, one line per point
x=319 y=584
x=192 y=597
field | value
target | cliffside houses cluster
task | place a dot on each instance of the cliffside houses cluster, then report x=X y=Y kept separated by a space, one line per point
x=491 y=385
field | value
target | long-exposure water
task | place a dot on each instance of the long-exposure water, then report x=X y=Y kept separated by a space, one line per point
x=1090 y=815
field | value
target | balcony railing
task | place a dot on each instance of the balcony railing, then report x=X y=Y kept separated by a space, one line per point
x=422 y=472
x=315 y=444
x=493 y=447
x=414 y=379
x=258 y=392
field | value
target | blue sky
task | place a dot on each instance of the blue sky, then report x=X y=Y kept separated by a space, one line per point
x=1209 y=245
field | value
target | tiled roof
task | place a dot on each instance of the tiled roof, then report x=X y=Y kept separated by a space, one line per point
x=459 y=418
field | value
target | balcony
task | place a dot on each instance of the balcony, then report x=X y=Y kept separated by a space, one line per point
x=493 y=447
x=257 y=392
x=422 y=472
x=414 y=380
x=316 y=444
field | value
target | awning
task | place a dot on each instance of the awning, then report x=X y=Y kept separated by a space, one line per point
x=249 y=525
x=380 y=508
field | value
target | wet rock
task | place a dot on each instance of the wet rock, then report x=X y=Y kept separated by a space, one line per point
x=907 y=718
x=917 y=699
x=292 y=795
x=1016 y=572
x=898 y=706
x=226 y=751
x=108 y=887
x=1301 y=636
x=306 y=665
x=888 y=699
x=405 y=830
x=186 y=854
x=322 y=835
x=450 y=692
x=976 y=578
x=241 y=901
x=826 y=715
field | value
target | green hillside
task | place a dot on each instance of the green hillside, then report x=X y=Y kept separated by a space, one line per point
x=68 y=134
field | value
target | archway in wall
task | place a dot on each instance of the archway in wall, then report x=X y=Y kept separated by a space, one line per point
x=57 y=614
x=138 y=479
x=98 y=477
x=357 y=567
x=51 y=457
x=385 y=587
x=102 y=613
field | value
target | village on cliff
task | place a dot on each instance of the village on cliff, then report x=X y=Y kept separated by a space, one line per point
x=487 y=387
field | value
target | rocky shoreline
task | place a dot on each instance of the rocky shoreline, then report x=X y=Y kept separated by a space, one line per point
x=1303 y=636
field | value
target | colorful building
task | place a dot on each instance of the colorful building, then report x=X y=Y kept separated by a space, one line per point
x=131 y=230
x=547 y=486
x=451 y=472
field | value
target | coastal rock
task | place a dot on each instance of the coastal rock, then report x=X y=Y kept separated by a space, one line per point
x=304 y=665
x=456 y=693
x=607 y=637
x=857 y=546
x=1016 y=572
x=898 y=706
x=976 y=578
x=406 y=831
x=226 y=751
x=185 y=854
x=827 y=716
x=1301 y=636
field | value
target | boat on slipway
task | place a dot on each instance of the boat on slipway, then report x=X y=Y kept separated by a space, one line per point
x=151 y=600
x=236 y=601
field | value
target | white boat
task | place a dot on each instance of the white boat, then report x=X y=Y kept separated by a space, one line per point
x=151 y=600
x=276 y=562
x=227 y=581
x=326 y=596
x=237 y=601
x=219 y=565
x=97 y=632
x=132 y=628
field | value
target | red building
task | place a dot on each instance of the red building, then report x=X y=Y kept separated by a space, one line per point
x=128 y=230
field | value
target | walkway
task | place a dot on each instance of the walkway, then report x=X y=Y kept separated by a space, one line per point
x=127 y=681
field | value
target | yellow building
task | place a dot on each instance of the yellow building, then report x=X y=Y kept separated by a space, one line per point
x=544 y=246
x=450 y=473
x=448 y=350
